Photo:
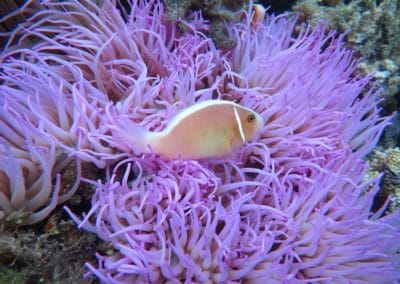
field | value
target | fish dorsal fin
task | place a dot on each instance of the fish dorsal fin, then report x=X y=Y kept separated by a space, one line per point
x=192 y=109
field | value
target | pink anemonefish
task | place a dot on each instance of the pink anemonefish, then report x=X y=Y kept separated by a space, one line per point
x=258 y=13
x=207 y=129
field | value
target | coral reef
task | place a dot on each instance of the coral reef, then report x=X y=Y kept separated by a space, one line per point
x=291 y=205
x=373 y=30
x=387 y=161
x=217 y=12
x=32 y=255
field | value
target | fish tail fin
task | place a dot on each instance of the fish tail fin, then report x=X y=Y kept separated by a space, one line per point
x=133 y=135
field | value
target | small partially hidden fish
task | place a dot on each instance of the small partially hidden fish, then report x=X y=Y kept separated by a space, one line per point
x=258 y=14
x=207 y=129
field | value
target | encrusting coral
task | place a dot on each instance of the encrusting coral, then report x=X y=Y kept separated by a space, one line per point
x=290 y=205
x=387 y=161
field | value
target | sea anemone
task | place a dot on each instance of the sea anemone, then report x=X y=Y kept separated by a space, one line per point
x=63 y=66
x=180 y=221
x=44 y=120
x=291 y=205
x=121 y=53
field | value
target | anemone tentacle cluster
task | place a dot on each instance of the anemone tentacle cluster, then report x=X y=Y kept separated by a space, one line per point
x=290 y=206
x=43 y=119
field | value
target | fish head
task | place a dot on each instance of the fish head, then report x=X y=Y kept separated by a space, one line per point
x=250 y=122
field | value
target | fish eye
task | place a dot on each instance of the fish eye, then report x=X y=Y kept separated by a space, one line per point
x=251 y=117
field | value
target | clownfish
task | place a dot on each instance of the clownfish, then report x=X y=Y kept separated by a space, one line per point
x=258 y=13
x=211 y=128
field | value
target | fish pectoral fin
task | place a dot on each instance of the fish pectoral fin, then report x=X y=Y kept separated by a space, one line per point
x=234 y=142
